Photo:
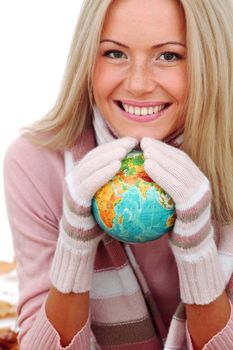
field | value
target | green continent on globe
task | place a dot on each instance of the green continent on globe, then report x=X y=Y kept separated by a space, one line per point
x=131 y=207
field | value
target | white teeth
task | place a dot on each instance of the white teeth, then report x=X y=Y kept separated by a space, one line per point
x=131 y=110
x=151 y=110
x=142 y=111
x=137 y=110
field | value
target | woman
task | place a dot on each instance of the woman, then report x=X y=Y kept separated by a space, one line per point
x=157 y=75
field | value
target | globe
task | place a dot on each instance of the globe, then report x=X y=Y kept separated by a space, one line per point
x=131 y=207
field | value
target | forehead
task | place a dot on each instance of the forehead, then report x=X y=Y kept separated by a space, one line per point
x=145 y=19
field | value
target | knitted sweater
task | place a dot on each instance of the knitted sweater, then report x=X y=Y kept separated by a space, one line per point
x=123 y=312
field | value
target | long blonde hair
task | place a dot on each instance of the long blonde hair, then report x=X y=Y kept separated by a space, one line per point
x=209 y=115
x=72 y=111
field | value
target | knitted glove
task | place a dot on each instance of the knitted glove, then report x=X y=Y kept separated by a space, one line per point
x=192 y=242
x=79 y=236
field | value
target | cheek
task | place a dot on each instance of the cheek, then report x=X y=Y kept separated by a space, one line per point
x=182 y=84
x=103 y=80
x=106 y=79
x=98 y=78
x=175 y=82
x=177 y=87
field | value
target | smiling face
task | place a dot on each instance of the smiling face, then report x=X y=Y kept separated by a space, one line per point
x=140 y=75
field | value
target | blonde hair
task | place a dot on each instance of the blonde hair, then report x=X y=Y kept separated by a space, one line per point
x=209 y=121
x=209 y=116
x=72 y=111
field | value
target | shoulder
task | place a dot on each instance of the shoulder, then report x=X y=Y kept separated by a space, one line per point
x=24 y=157
x=29 y=155
x=26 y=154
x=33 y=177
x=36 y=173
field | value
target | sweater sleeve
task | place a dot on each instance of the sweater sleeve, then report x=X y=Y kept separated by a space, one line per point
x=223 y=340
x=33 y=190
x=42 y=335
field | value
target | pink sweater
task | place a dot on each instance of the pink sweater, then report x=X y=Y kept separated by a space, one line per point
x=33 y=184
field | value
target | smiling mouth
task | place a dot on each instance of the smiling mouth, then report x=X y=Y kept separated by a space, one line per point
x=142 y=111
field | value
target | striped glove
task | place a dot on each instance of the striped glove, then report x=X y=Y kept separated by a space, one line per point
x=79 y=235
x=192 y=240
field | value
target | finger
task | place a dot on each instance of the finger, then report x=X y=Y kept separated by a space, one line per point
x=171 y=158
x=163 y=178
x=92 y=165
x=181 y=189
x=183 y=171
x=149 y=144
x=87 y=189
x=128 y=143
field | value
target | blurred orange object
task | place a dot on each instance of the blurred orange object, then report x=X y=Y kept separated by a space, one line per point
x=8 y=340
x=7 y=266
x=7 y=309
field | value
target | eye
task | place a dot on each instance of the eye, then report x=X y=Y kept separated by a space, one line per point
x=170 y=56
x=115 y=54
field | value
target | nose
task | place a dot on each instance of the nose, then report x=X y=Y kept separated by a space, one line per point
x=139 y=79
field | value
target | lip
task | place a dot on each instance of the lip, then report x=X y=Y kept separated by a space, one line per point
x=142 y=119
x=143 y=103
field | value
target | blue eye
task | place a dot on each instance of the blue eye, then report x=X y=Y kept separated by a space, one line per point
x=170 y=56
x=115 y=54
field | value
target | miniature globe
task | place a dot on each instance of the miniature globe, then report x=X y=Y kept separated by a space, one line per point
x=131 y=207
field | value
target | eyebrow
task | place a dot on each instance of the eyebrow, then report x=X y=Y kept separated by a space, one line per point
x=154 y=46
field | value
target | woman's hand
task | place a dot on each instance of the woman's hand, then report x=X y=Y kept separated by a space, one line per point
x=97 y=168
x=192 y=242
x=79 y=233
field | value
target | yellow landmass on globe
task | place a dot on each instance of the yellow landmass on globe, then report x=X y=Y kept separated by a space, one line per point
x=106 y=201
x=170 y=221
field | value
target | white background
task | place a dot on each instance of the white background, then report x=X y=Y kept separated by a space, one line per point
x=35 y=36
